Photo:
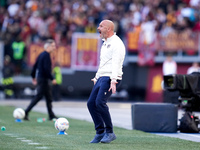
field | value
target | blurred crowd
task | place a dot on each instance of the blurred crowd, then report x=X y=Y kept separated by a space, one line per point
x=33 y=21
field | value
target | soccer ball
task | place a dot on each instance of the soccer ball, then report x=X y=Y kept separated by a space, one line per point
x=18 y=113
x=62 y=124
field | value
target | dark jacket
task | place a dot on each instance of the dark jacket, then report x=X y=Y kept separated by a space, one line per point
x=42 y=67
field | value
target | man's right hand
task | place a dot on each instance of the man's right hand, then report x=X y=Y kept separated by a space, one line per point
x=94 y=80
x=54 y=81
x=34 y=81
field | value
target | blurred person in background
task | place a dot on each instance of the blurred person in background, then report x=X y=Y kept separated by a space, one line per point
x=170 y=68
x=7 y=80
x=41 y=74
x=90 y=27
x=194 y=68
x=19 y=53
x=56 y=87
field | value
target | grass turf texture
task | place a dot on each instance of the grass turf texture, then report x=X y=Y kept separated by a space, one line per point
x=79 y=134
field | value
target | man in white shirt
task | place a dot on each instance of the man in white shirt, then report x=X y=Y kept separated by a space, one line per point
x=194 y=68
x=105 y=81
x=169 y=66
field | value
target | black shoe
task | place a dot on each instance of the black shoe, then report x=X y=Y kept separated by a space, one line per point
x=108 y=137
x=26 y=118
x=97 y=138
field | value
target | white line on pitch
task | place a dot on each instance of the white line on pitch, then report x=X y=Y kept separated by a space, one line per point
x=198 y=136
x=20 y=138
x=34 y=143
x=8 y=134
x=26 y=140
x=42 y=147
x=14 y=136
x=11 y=135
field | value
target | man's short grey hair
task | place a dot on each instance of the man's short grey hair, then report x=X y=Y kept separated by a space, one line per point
x=47 y=43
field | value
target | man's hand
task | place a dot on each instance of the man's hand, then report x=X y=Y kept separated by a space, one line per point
x=113 y=86
x=34 y=81
x=94 y=80
x=54 y=81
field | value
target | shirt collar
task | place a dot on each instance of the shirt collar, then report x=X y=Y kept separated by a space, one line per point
x=110 y=38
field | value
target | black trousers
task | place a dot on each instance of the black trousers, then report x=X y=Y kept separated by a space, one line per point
x=97 y=106
x=43 y=89
x=56 y=92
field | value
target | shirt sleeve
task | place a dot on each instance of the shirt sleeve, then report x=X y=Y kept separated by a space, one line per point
x=97 y=75
x=47 y=68
x=117 y=60
x=33 y=72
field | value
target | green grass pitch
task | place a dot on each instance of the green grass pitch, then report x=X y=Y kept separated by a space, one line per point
x=31 y=135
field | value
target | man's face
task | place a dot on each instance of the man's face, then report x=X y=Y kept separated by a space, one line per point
x=52 y=47
x=103 y=30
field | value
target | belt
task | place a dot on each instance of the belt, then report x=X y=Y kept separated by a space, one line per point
x=108 y=76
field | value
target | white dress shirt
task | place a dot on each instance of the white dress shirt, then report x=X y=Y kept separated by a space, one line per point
x=169 y=67
x=112 y=56
x=193 y=69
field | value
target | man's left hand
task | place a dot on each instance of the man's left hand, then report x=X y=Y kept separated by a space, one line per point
x=113 y=86
x=54 y=82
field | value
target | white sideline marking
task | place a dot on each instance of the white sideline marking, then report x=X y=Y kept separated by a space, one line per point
x=21 y=138
x=8 y=134
x=26 y=140
x=11 y=135
x=34 y=143
x=14 y=136
x=42 y=147
x=197 y=136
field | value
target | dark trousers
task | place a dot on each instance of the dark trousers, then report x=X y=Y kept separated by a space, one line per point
x=56 y=92
x=97 y=105
x=43 y=89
